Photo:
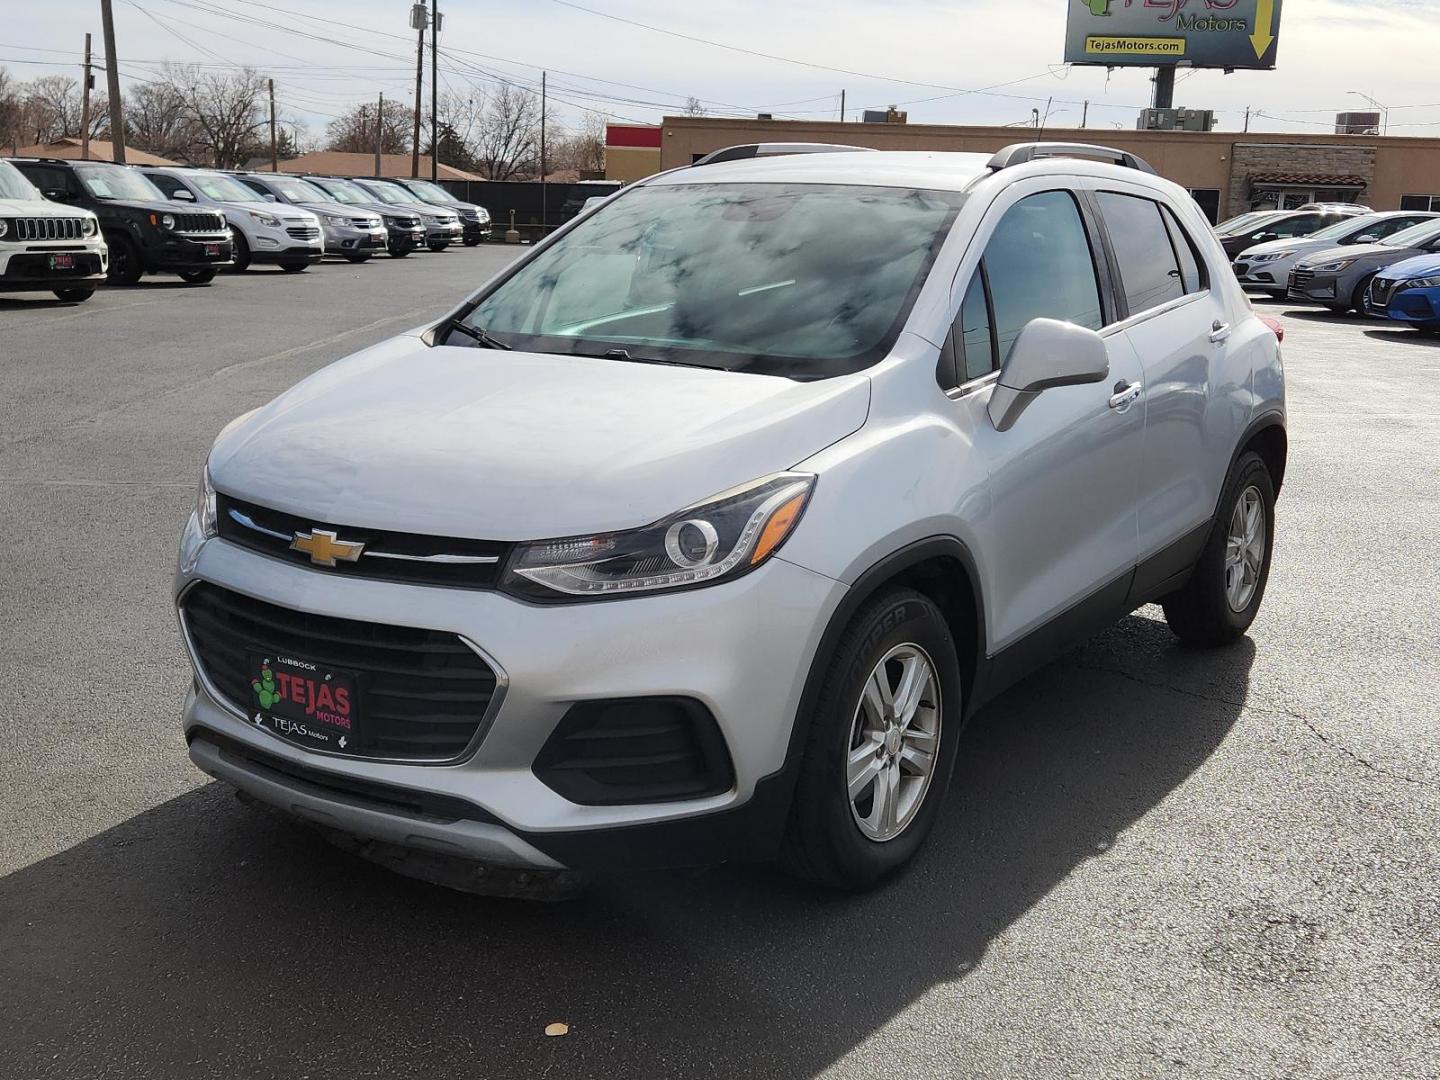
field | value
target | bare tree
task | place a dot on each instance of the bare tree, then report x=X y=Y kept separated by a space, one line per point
x=354 y=132
x=55 y=103
x=12 y=110
x=157 y=120
x=508 y=141
x=583 y=149
x=225 y=112
x=693 y=107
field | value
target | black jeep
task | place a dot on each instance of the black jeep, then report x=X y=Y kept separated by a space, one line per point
x=144 y=230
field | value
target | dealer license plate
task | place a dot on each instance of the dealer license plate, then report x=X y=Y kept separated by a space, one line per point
x=308 y=703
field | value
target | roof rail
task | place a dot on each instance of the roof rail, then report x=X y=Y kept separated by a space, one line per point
x=1020 y=153
x=754 y=150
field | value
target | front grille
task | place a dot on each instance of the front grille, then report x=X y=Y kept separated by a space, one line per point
x=303 y=232
x=405 y=222
x=363 y=223
x=638 y=750
x=45 y=228
x=412 y=558
x=423 y=693
x=199 y=223
x=1300 y=279
x=470 y=215
x=1380 y=290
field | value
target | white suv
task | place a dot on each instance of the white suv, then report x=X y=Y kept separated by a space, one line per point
x=265 y=231
x=45 y=247
x=700 y=531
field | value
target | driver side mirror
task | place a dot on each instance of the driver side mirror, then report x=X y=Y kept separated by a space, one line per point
x=58 y=195
x=183 y=195
x=1265 y=237
x=1368 y=238
x=1048 y=353
x=270 y=198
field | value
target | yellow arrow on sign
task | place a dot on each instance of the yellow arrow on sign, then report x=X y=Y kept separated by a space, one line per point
x=1264 y=35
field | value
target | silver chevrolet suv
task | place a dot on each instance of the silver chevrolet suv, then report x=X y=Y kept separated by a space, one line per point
x=699 y=532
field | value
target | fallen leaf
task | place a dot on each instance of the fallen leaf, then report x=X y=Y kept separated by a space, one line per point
x=557 y=1029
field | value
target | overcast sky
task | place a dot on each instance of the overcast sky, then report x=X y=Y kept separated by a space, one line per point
x=915 y=53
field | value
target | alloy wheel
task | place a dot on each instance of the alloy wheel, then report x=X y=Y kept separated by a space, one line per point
x=894 y=743
x=1245 y=549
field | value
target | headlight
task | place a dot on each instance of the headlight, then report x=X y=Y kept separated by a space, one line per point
x=168 y=220
x=1422 y=283
x=1332 y=267
x=331 y=219
x=1270 y=256
x=205 y=511
x=90 y=228
x=4 y=226
x=263 y=219
x=722 y=538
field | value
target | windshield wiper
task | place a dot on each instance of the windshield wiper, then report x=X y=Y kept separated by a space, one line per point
x=480 y=337
x=628 y=357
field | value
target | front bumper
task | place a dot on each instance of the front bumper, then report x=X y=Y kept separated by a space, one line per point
x=476 y=231
x=448 y=234
x=199 y=251
x=1307 y=286
x=1265 y=275
x=345 y=240
x=404 y=239
x=743 y=649
x=29 y=270
x=1419 y=307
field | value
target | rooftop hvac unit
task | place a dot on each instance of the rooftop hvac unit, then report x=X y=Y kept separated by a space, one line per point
x=891 y=115
x=1176 y=120
x=1357 y=123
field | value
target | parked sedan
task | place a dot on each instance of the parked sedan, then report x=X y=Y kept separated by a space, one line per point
x=1282 y=225
x=1408 y=292
x=1338 y=277
x=1267 y=266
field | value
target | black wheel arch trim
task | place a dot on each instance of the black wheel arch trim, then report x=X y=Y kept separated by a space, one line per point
x=1270 y=418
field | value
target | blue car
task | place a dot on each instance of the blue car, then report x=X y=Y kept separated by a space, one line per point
x=1408 y=292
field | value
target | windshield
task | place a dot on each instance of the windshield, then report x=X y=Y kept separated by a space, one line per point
x=224 y=188
x=805 y=281
x=1343 y=230
x=299 y=191
x=1415 y=236
x=118 y=182
x=344 y=191
x=14 y=186
x=388 y=193
x=1243 y=222
x=431 y=193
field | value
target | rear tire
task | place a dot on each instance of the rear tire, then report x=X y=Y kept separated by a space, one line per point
x=76 y=295
x=197 y=277
x=125 y=268
x=241 y=253
x=1222 y=597
x=867 y=796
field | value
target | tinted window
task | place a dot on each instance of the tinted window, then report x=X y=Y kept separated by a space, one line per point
x=1390 y=226
x=973 y=334
x=1299 y=225
x=1041 y=267
x=1149 y=269
x=168 y=184
x=1192 y=270
x=46 y=178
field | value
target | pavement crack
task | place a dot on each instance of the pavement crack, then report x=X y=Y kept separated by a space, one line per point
x=1309 y=725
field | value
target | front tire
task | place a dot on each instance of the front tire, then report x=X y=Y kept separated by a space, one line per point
x=241 y=251
x=358 y=258
x=294 y=267
x=473 y=241
x=125 y=268
x=1222 y=597
x=399 y=252
x=75 y=295
x=438 y=246
x=197 y=277
x=881 y=745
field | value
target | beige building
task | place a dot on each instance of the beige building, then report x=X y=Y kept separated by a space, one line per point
x=1228 y=172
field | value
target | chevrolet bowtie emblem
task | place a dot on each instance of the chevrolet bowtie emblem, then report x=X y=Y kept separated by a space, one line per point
x=325 y=547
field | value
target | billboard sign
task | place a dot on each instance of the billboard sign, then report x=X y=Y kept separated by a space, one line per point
x=1155 y=33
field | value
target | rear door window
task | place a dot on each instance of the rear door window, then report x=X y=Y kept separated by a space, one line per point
x=1041 y=266
x=1148 y=265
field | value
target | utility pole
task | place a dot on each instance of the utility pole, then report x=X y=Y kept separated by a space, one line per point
x=544 y=216
x=435 y=92
x=112 y=83
x=1085 y=115
x=418 y=16
x=1164 y=87
x=379 y=133
x=274 y=146
x=842 y=106
x=85 y=105
x=1247 y=118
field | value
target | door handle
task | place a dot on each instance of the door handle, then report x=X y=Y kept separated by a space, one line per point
x=1219 y=333
x=1125 y=395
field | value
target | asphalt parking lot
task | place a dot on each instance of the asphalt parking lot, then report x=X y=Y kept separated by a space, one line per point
x=1155 y=863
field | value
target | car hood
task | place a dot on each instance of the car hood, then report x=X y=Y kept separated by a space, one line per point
x=1371 y=254
x=1427 y=265
x=40 y=208
x=284 y=211
x=494 y=445
x=335 y=209
x=1300 y=246
x=160 y=206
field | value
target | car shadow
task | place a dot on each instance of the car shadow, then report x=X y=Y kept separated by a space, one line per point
x=202 y=938
x=1325 y=315
x=1405 y=335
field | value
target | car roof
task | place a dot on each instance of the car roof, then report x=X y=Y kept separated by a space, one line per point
x=882 y=168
